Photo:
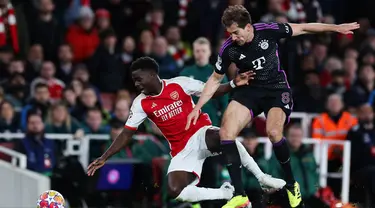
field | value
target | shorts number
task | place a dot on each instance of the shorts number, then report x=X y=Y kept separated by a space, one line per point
x=285 y=97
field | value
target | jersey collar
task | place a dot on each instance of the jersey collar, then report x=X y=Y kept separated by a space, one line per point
x=162 y=89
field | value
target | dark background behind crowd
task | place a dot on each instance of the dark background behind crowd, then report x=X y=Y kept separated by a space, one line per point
x=64 y=68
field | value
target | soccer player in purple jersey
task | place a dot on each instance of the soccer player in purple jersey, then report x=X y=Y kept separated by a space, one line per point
x=255 y=47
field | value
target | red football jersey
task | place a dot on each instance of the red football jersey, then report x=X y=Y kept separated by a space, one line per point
x=169 y=111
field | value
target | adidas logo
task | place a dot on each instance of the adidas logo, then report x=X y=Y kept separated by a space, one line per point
x=287 y=106
x=242 y=57
x=153 y=105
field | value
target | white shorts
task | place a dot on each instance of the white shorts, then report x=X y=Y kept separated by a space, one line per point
x=192 y=157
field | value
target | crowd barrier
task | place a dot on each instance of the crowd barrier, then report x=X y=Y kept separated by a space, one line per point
x=80 y=147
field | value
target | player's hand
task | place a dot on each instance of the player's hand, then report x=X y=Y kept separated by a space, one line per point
x=244 y=78
x=192 y=118
x=95 y=165
x=347 y=28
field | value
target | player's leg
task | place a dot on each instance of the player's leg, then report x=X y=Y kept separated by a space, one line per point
x=181 y=187
x=277 y=114
x=213 y=144
x=185 y=170
x=235 y=118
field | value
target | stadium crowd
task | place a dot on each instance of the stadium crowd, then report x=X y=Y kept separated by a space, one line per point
x=64 y=68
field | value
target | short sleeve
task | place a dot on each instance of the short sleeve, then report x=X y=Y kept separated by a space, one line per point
x=223 y=60
x=189 y=85
x=136 y=115
x=276 y=30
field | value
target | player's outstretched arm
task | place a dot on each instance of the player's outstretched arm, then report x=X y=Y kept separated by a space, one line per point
x=240 y=80
x=121 y=140
x=308 y=28
x=212 y=84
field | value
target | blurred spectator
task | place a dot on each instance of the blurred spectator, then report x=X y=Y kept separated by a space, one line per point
x=128 y=54
x=202 y=70
x=77 y=85
x=303 y=165
x=34 y=62
x=83 y=36
x=332 y=63
x=359 y=93
x=128 y=50
x=9 y=32
x=103 y=20
x=362 y=166
x=15 y=66
x=39 y=104
x=105 y=66
x=45 y=30
x=6 y=55
x=337 y=86
x=47 y=76
x=41 y=153
x=350 y=69
x=121 y=110
x=69 y=98
x=180 y=51
x=153 y=21
x=87 y=100
x=59 y=121
x=167 y=65
x=308 y=97
x=351 y=53
x=145 y=43
x=94 y=122
x=334 y=124
x=94 y=125
x=319 y=51
x=65 y=63
x=368 y=57
x=82 y=74
x=17 y=90
x=274 y=7
x=9 y=119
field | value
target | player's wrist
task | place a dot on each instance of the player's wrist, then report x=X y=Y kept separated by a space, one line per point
x=233 y=84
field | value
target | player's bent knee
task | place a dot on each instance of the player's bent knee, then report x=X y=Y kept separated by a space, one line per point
x=226 y=135
x=274 y=135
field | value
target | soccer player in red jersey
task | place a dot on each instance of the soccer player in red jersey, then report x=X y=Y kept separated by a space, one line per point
x=167 y=103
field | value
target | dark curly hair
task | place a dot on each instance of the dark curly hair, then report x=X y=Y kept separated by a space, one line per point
x=145 y=63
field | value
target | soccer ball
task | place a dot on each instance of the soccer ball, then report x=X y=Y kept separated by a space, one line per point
x=50 y=199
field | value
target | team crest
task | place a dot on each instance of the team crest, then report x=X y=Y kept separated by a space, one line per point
x=263 y=44
x=174 y=95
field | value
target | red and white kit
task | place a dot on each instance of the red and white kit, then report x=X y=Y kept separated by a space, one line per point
x=169 y=111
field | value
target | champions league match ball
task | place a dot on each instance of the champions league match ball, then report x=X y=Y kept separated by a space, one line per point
x=50 y=199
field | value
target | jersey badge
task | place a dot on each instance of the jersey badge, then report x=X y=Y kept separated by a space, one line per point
x=242 y=57
x=153 y=105
x=174 y=95
x=263 y=44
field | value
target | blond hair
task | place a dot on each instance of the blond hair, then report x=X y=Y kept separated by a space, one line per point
x=202 y=41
